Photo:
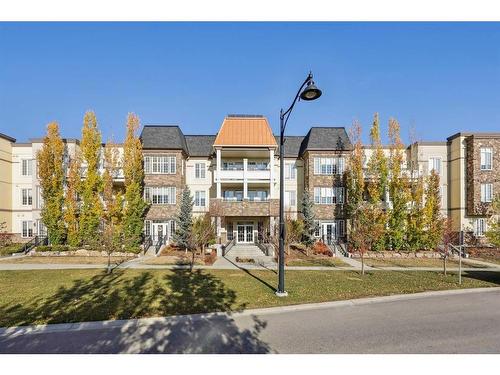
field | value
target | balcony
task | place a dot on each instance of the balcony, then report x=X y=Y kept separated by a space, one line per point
x=245 y=207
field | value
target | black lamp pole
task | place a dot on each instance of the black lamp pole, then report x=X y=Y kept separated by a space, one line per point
x=311 y=92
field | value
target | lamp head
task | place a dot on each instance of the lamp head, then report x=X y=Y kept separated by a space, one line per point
x=311 y=92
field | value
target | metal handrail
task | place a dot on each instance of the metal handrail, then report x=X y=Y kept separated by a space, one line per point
x=158 y=244
x=34 y=242
x=228 y=246
x=148 y=242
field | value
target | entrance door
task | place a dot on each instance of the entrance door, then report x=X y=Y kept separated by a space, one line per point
x=245 y=233
x=159 y=230
x=328 y=233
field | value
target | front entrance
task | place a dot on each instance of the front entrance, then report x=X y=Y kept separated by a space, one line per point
x=328 y=233
x=159 y=229
x=245 y=233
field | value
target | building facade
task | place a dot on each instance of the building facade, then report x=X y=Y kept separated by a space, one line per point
x=233 y=177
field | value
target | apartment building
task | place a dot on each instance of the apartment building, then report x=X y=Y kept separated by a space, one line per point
x=233 y=176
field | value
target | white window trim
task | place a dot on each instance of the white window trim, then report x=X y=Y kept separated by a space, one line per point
x=431 y=166
x=333 y=165
x=167 y=193
x=29 y=167
x=490 y=151
x=485 y=189
x=29 y=197
x=200 y=196
x=25 y=232
x=479 y=230
x=328 y=195
x=160 y=164
x=290 y=198
x=290 y=171
x=200 y=169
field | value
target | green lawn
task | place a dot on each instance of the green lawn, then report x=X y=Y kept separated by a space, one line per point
x=417 y=262
x=57 y=296
x=317 y=262
x=10 y=249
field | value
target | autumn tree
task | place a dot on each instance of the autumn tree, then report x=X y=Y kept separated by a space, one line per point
x=113 y=200
x=354 y=176
x=203 y=232
x=308 y=220
x=91 y=187
x=493 y=232
x=50 y=161
x=366 y=230
x=447 y=239
x=135 y=206
x=433 y=220
x=398 y=190
x=415 y=221
x=377 y=173
x=71 y=200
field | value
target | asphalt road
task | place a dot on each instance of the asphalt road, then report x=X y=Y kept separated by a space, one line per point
x=460 y=323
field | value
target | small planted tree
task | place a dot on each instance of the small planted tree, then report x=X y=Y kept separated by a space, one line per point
x=448 y=236
x=71 y=201
x=366 y=229
x=433 y=220
x=135 y=206
x=415 y=228
x=91 y=186
x=308 y=221
x=182 y=236
x=294 y=230
x=203 y=232
x=493 y=232
x=51 y=174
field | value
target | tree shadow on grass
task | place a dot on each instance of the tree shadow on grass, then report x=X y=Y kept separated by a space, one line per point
x=489 y=276
x=118 y=296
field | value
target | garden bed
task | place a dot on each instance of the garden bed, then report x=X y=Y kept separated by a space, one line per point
x=418 y=262
x=318 y=256
x=487 y=254
x=10 y=249
x=398 y=254
x=65 y=260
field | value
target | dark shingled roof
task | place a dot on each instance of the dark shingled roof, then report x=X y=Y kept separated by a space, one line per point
x=293 y=145
x=169 y=137
x=200 y=145
x=326 y=138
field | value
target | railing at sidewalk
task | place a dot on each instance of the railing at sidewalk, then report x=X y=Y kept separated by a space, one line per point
x=148 y=242
x=228 y=246
x=34 y=242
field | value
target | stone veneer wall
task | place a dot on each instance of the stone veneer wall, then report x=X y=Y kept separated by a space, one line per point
x=324 y=211
x=476 y=176
x=218 y=207
x=167 y=211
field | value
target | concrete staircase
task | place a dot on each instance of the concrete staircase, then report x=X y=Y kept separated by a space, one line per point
x=248 y=251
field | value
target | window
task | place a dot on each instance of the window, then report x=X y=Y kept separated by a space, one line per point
x=486 y=193
x=317 y=228
x=172 y=227
x=160 y=194
x=41 y=228
x=39 y=198
x=26 y=167
x=257 y=165
x=340 y=227
x=257 y=195
x=231 y=195
x=199 y=198
x=435 y=163
x=290 y=171
x=486 y=158
x=27 y=228
x=159 y=164
x=229 y=229
x=147 y=227
x=328 y=195
x=290 y=198
x=27 y=199
x=479 y=227
x=333 y=165
x=199 y=170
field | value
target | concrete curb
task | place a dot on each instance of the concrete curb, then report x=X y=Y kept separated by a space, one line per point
x=136 y=323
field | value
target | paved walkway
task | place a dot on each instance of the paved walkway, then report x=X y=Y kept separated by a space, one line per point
x=227 y=264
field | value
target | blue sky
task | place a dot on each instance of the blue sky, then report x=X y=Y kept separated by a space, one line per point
x=439 y=78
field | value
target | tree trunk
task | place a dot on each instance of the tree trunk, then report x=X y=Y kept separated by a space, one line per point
x=362 y=264
x=444 y=265
x=109 y=263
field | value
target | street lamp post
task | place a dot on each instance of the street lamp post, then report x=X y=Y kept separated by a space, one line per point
x=310 y=92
